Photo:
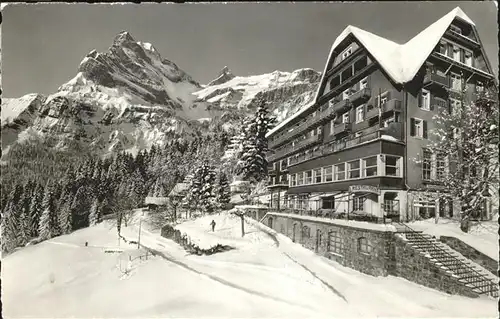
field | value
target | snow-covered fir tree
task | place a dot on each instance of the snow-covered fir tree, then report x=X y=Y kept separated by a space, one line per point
x=94 y=216
x=10 y=229
x=36 y=210
x=463 y=151
x=252 y=164
x=201 y=193
x=223 y=196
x=48 y=224
x=65 y=216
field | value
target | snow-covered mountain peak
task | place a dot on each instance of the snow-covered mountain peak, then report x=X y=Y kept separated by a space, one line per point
x=224 y=75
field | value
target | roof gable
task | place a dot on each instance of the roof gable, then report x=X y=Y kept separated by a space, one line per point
x=400 y=61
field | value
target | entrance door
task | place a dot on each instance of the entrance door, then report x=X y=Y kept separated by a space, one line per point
x=294 y=230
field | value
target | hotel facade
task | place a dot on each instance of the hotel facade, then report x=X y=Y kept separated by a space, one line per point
x=360 y=147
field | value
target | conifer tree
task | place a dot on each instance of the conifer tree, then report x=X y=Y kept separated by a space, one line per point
x=223 y=191
x=9 y=229
x=36 y=210
x=48 y=227
x=252 y=164
x=65 y=216
x=94 y=216
x=201 y=192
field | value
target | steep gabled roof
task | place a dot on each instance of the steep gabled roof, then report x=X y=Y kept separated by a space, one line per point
x=400 y=61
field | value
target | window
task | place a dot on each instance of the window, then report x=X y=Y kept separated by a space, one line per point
x=418 y=128
x=317 y=175
x=456 y=54
x=363 y=83
x=440 y=166
x=332 y=126
x=425 y=103
x=426 y=165
x=346 y=94
x=358 y=203
x=392 y=165
x=319 y=130
x=346 y=53
x=455 y=29
x=300 y=179
x=456 y=81
x=328 y=173
x=306 y=232
x=382 y=99
x=340 y=172
x=345 y=117
x=370 y=167
x=364 y=246
x=335 y=243
x=468 y=58
x=443 y=48
x=308 y=178
x=360 y=114
x=293 y=180
x=354 y=169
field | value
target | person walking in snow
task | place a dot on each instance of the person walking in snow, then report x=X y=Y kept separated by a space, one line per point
x=213 y=225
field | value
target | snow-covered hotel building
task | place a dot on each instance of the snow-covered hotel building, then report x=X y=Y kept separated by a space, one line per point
x=360 y=146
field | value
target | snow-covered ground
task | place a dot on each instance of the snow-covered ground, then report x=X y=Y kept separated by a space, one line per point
x=264 y=277
x=482 y=236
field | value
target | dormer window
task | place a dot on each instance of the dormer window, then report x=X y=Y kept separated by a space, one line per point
x=455 y=29
x=346 y=53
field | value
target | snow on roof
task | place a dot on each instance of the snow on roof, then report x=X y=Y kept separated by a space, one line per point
x=400 y=61
x=156 y=200
x=179 y=188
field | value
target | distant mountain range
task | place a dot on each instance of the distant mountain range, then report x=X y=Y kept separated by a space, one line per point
x=130 y=98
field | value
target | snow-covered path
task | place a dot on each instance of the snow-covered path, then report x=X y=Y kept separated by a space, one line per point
x=62 y=278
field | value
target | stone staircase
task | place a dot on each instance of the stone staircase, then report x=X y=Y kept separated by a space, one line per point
x=466 y=272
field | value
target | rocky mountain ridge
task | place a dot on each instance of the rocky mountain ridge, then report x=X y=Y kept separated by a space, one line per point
x=130 y=98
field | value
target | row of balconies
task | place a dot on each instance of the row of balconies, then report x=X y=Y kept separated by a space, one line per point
x=389 y=106
x=335 y=106
x=294 y=148
x=369 y=134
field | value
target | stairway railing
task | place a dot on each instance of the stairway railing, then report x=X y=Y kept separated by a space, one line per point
x=492 y=287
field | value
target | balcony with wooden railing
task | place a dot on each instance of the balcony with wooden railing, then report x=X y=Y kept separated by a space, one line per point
x=370 y=134
x=432 y=78
x=289 y=149
x=391 y=105
x=439 y=103
x=341 y=128
x=360 y=95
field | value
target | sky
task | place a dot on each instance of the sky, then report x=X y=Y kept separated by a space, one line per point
x=43 y=44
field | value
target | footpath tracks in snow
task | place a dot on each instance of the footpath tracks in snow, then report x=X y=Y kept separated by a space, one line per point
x=166 y=256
